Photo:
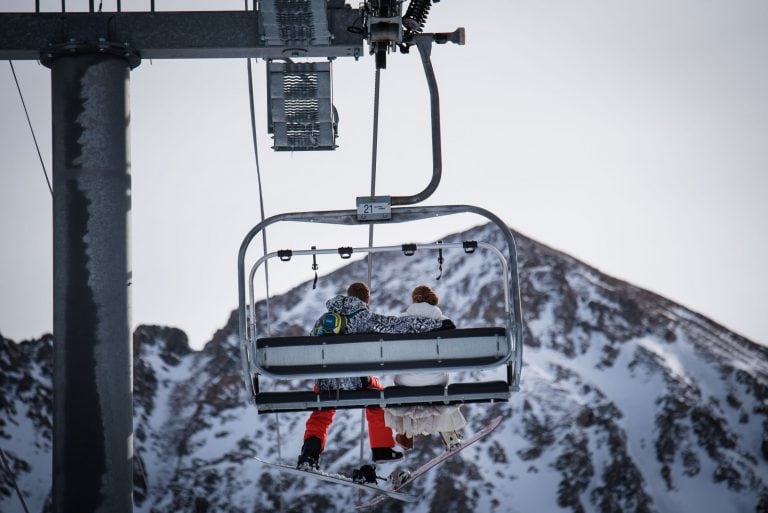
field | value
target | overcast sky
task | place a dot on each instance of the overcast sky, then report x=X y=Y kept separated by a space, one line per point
x=630 y=134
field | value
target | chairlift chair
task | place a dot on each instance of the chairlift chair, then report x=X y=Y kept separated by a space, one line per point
x=373 y=354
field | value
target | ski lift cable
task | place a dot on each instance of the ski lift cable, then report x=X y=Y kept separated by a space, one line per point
x=264 y=234
x=258 y=177
x=29 y=122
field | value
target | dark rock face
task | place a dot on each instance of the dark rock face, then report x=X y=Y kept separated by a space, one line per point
x=26 y=412
x=629 y=402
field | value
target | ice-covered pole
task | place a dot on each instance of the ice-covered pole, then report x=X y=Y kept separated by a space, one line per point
x=92 y=421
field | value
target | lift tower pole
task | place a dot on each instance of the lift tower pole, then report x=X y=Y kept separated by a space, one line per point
x=90 y=56
x=93 y=421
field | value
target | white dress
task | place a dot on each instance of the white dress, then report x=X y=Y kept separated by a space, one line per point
x=418 y=419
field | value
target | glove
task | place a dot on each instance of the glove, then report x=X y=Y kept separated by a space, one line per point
x=448 y=325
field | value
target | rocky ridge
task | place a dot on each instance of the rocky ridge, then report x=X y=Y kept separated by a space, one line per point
x=629 y=402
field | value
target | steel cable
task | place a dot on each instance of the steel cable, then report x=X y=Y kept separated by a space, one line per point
x=264 y=242
x=29 y=122
x=258 y=177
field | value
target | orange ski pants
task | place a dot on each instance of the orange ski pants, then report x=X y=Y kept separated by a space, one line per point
x=379 y=434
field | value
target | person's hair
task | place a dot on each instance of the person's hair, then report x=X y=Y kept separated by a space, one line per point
x=360 y=291
x=425 y=294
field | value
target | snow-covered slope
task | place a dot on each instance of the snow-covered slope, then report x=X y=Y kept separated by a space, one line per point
x=629 y=402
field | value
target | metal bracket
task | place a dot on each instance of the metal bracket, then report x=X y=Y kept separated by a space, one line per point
x=102 y=46
x=387 y=30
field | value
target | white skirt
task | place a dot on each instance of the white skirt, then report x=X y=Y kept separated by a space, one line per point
x=424 y=420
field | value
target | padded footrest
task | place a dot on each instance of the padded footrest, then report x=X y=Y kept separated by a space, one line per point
x=482 y=387
x=457 y=393
x=285 y=397
x=349 y=395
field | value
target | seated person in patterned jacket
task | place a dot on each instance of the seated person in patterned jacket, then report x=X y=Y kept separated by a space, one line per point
x=359 y=320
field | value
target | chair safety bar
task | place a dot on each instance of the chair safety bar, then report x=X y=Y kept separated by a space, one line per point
x=372 y=354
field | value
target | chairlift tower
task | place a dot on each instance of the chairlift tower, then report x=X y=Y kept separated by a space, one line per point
x=91 y=55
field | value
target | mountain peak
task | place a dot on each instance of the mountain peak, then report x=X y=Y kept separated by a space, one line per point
x=629 y=402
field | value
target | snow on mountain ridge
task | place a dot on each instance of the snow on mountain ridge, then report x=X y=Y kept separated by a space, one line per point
x=629 y=402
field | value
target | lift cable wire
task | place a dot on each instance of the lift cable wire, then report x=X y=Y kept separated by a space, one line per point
x=263 y=240
x=258 y=177
x=7 y=469
x=29 y=122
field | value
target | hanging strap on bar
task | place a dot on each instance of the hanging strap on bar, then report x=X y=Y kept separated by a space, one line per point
x=314 y=267
x=469 y=246
x=345 y=252
x=440 y=261
x=409 y=249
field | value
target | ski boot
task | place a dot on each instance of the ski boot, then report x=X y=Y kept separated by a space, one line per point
x=404 y=441
x=385 y=454
x=309 y=459
x=451 y=440
x=365 y=474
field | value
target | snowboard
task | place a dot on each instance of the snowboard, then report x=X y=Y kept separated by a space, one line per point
x=343 y=480
x=437 y=461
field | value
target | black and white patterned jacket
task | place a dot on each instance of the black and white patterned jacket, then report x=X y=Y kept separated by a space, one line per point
x=360 y=319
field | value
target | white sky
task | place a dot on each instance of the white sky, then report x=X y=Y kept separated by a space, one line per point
x=630 y=134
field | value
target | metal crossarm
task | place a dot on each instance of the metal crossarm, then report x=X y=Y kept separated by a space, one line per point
x=176 y=35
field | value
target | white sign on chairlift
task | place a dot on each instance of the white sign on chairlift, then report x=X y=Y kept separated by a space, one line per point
x=372 y=208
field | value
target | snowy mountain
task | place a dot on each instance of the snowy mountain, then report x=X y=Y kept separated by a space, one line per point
x=629 y=403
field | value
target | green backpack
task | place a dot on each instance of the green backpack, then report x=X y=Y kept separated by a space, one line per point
x=330 y=324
